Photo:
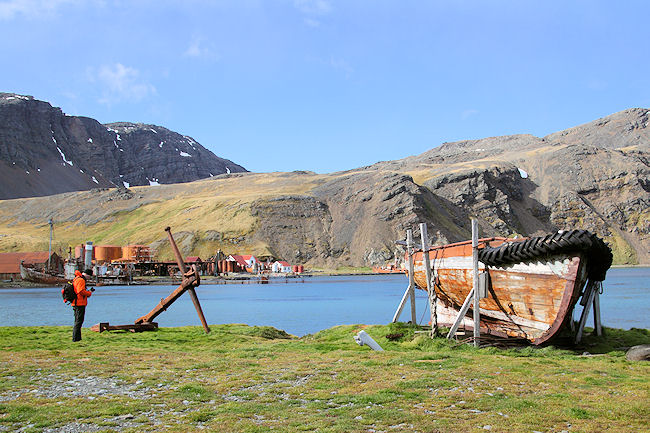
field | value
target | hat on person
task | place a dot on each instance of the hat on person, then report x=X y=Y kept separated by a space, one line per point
x=88 y=272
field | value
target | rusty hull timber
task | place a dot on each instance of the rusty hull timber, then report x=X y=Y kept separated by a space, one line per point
x=190 y=281
x=530 y=300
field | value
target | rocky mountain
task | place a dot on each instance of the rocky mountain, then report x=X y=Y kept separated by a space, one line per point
x=43 y=151
x=594 y=176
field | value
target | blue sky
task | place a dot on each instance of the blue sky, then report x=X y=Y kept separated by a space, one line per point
x=328 y=85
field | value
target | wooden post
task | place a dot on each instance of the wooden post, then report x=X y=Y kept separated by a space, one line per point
x=477 y=317
x=589 y=295
x=431 y=293
x=461 y=314
x=409 y=249
x=597 y=325
x=410 y=290
x=400 y=307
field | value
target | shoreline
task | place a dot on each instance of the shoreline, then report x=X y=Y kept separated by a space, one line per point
x=240 y=278
x=206 y=280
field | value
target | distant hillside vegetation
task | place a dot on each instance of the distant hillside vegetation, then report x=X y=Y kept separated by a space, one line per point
x=594 y=176
x=44 y=152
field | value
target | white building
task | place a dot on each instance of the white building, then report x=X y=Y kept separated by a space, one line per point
x=281 y=266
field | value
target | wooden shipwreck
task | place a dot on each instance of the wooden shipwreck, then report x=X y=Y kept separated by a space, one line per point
x=29 y=273
x=531 y=285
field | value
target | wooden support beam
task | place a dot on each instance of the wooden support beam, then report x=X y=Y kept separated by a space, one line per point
x=427 y=271
x=588 y=299
x=597 y=324
x=409 y=250
x=461 y=314
x=477 y=317
x=405 y=298
x=410 y=290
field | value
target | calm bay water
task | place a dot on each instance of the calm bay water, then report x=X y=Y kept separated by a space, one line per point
x=298 y=308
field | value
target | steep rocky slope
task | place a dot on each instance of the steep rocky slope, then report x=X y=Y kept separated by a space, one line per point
x=595 y=177
x=43 y=151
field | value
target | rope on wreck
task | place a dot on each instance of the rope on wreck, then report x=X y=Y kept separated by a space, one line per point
x=598 y=253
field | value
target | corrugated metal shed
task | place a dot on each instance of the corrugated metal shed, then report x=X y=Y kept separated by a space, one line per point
x=10 y=262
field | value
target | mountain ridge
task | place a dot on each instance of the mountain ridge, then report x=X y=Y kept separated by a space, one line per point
x=43 y=151
x=594 y=176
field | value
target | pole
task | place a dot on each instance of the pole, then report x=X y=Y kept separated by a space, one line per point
x=477 y=317
x=400 y=307
x=427 y=271
x=409 y=249
x=49 y=252
x=588 y=299
x=597 y=324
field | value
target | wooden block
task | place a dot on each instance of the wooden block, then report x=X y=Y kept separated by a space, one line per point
x=136 y=327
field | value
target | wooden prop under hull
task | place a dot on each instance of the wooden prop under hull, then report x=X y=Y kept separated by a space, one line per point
x=531 y=300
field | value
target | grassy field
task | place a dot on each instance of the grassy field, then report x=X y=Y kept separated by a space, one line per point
x=214 y=204
x=256 y=379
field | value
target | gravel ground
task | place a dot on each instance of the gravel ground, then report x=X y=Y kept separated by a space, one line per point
x=57 y=387
x=91 y=387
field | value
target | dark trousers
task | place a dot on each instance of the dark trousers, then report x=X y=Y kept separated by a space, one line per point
x=79 y=313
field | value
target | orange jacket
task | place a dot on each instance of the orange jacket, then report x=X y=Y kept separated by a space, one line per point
x=79 y=284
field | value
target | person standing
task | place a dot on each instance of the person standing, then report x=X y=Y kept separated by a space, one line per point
x=79 y=304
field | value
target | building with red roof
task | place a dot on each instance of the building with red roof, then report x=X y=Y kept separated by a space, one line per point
x=10 y=263
x=281 y=266
x=247 y=261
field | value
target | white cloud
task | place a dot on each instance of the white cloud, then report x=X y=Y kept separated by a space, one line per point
x=317 y=7
x=312 y=11
x=468 y=113
x=341 y=65
x=311 y=22
x=120 y=83
x=10 y=9
x=336 y=64
x=198 y=49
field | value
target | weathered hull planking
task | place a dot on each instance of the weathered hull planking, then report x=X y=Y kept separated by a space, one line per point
x=531 y=300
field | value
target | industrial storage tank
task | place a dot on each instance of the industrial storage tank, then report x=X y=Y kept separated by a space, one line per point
x=80 y=252
x=107 y=253
x=138 y=253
